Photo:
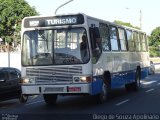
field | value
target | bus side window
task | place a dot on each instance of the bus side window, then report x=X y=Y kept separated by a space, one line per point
x=144 y=43
x=137 y=41
x=122 y=37
x=131 y=42
x=114 y=38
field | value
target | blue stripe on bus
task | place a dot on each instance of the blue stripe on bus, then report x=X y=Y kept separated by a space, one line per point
x=97 y=86
x=144 y=72
x=118 y=80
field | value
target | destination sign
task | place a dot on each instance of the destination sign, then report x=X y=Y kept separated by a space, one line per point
x=53 y=21
x=61 y=21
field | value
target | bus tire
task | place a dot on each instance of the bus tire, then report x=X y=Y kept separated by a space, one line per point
x=50 y=99
x=23 y=98
x=107 y=79
x=102 y=97
x=136 y=84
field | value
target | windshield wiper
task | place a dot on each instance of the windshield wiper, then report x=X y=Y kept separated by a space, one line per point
x=43 y=37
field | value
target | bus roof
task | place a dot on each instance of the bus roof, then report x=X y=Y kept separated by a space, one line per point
x=85 y=16
x=114 y=24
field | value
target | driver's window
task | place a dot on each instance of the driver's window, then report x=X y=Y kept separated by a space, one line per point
x=96 y=42
x=104 y=32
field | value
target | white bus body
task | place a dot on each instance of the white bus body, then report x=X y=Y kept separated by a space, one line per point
x=56 y=62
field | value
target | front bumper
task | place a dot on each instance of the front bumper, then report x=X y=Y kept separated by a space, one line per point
x=57 y=89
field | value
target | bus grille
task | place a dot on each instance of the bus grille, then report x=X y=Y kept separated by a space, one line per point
x=54 y=75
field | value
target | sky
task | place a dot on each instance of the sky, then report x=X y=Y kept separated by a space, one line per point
x=110 y=10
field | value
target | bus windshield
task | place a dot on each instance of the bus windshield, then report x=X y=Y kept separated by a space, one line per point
x=55 y=47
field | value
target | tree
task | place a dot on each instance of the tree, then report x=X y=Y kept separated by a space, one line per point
x=11 y=14
x=154 y=42
x=125 y=24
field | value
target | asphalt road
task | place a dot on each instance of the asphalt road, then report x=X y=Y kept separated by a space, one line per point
x=121 y=104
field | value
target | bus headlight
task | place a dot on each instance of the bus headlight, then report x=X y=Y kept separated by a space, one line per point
x=79 y=79
x=28 y=81
x=86 y=79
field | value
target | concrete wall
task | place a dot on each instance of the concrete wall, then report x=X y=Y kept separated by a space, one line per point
x=15 y=59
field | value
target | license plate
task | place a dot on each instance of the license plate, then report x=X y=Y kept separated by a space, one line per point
x=74 y=89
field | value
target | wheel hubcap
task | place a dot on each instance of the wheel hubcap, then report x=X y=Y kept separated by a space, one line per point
x=104 y=94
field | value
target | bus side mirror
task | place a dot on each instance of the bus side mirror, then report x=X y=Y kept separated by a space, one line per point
x=94 y=34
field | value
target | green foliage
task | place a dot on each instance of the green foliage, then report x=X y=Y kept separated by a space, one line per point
x=11 y=14
x=153 y=51
x=125 y=24
x=154 y=42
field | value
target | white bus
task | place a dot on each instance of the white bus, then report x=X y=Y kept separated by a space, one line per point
x=77 y=54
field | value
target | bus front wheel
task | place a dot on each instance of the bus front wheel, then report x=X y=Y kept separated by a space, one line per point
x=50 y=99
x=102 y=97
